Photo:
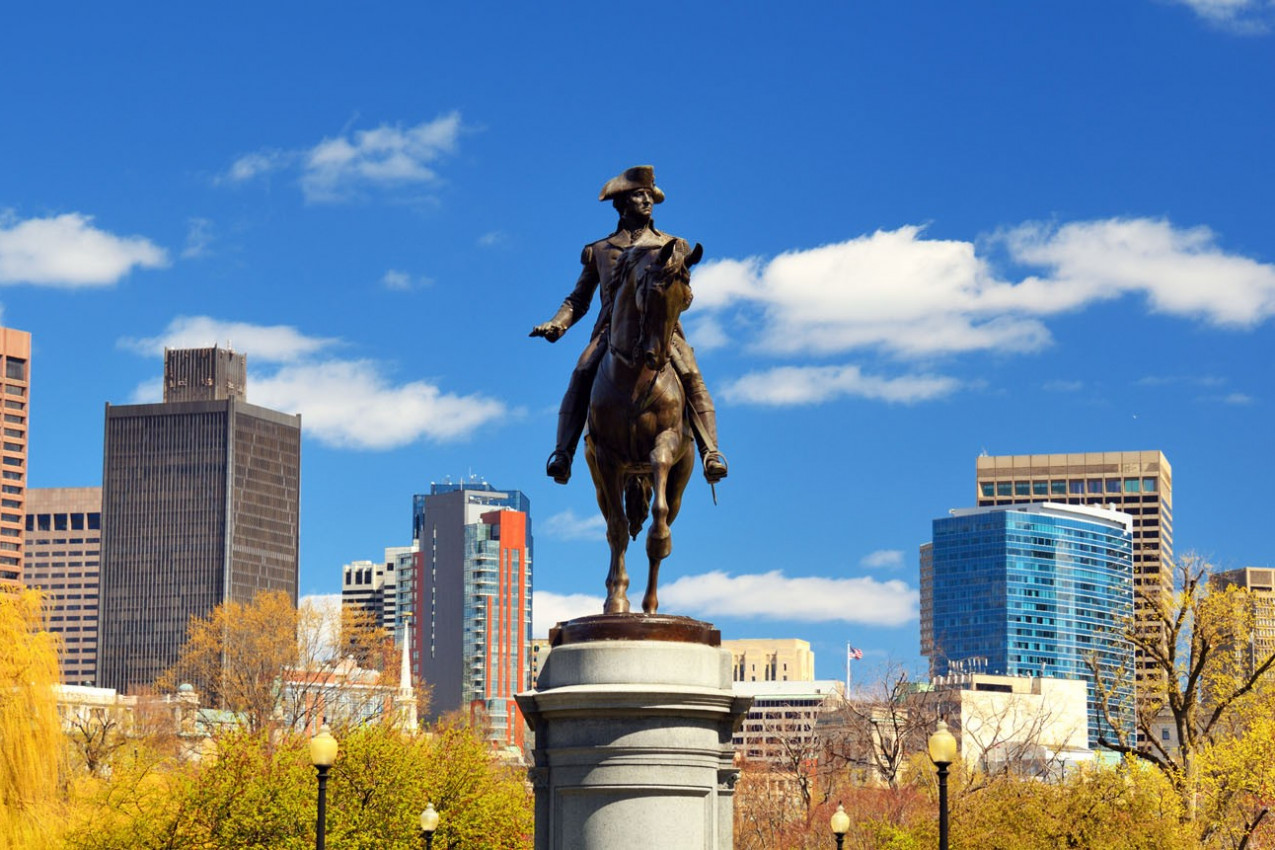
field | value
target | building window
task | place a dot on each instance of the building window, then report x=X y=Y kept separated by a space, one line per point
x=1004 y=488
x=1113 y=485
x=1148 y=485
x=1022 y=488
x=1094 y=485
x=15 y=369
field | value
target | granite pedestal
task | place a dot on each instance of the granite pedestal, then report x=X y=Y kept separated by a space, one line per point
x=633 y=718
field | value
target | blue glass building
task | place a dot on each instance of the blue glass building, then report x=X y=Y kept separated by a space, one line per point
x=1032 y=590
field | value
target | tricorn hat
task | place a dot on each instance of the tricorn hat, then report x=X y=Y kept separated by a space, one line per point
x=637 y=177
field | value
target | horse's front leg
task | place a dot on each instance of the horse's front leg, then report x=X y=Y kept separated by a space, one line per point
x=659 y=539
x=608 y=482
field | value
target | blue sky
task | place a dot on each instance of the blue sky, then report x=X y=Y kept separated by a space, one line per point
x=931 y=229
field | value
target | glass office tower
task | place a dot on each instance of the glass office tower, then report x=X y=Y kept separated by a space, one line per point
x=1033 y=590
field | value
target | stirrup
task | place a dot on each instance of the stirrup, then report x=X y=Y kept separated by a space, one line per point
x=559 y=467
x=714 y=467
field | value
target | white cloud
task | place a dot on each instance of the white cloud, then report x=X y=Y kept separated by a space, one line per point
x=400 y=281
x=883 y=558
x=397 y=280
x=910 y=296
x=775 y=596
x=493 y=238
x=549 y=608
x=1181 y=272
x=568 y=526
x=1062 y=386
x=1237 y=398
x=349 y=404
x=343 y=403
x=791 y=385
x=761 y=596
x=67 y=250
x=251 y=165
x=199 y=235
x=262 y=343
x=1242 y=16
x=386 y=157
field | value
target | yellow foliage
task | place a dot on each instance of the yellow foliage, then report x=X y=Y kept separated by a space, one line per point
x=32 y=751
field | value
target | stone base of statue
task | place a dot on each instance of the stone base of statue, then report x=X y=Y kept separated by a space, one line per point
x=633 y=718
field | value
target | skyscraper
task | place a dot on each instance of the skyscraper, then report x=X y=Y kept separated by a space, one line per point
x=1260 y=583
x=473 y=601
x=200 y=499
x=1136 y=483
x=63 y=547
x=15 y=385
x=1032 y=590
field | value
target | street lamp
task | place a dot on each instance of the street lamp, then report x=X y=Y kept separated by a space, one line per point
x=840 y=825
x=322 y=753
x=942 y=753
x=429 y=823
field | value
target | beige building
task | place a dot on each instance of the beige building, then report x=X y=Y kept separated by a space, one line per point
x=539 y=649
x=771 y=660
x=1136 y=483
x=1031 y=725
x=63 y=548
x=1260 y=582
x=15 y=385
x=781 y=727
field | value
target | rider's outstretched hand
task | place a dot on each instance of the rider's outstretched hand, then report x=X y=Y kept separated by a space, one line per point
x=548 y=330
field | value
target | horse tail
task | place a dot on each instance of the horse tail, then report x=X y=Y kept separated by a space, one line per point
x=637 y=503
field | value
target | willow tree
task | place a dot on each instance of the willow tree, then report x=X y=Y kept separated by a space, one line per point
x=32 y=751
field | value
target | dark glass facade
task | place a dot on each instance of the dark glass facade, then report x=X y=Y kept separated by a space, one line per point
x=1035 y=590
x=200 y=505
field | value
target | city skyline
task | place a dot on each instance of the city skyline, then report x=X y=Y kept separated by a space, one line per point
x=930 y=233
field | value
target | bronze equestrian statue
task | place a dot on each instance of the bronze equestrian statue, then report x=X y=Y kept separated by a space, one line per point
x=637 y=382
x=633 y=194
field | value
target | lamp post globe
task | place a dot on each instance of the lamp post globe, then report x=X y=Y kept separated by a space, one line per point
x=323 y=750
x=942 y=746
x=840 y=825
x=429 y=824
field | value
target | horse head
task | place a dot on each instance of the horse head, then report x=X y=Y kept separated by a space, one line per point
x=663 y=295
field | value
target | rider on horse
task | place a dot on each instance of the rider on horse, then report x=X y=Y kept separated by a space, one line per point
x=633 y=194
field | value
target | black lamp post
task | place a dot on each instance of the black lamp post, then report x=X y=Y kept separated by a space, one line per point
x=323 y=749
x=840 y=825
x=429 y=823
x=942 y=753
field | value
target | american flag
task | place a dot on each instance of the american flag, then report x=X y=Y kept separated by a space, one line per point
x=853 y=654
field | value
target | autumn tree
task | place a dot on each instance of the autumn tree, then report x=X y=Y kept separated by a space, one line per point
x=874 y=731
x=1211 y=693
x=275 y=666
x=237 y=654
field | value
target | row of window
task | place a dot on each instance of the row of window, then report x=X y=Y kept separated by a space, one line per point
x=1072 y=486
x=64 y=522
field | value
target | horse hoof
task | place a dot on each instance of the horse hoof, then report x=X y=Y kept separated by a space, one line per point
x=616 y=606
x=650 y=605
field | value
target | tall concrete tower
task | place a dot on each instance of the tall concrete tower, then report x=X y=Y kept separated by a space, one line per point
x=200 y=505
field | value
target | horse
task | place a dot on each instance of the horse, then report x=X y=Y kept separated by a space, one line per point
x=639 y=443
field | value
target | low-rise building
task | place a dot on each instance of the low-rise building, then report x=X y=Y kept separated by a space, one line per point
x=780 y=727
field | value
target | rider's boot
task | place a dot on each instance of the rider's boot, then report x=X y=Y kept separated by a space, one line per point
x=704 y=426
x=571 y=416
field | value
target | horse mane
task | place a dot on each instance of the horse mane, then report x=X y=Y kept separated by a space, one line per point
x=629 y=259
